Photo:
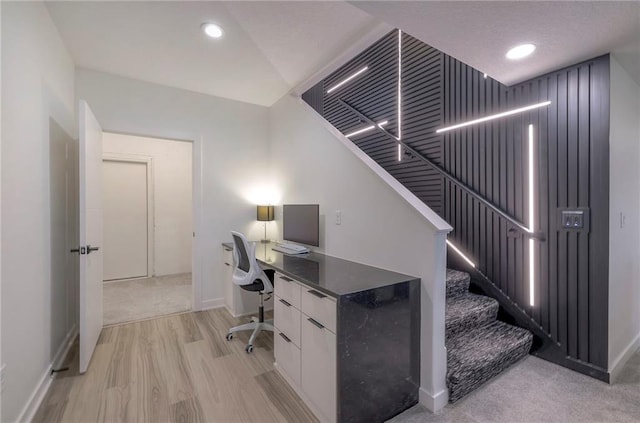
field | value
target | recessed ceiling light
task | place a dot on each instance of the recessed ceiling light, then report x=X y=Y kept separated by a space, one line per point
x=212 y=30
x=518 y=52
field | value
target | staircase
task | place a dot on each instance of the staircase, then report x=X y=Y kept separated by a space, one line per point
x=479 y=347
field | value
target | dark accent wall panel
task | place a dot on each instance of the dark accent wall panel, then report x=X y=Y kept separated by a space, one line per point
x=571 y=266
x=375 y=94
x=570 y=166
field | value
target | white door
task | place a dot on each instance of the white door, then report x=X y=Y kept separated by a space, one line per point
x=125 y=219
x=90 y=201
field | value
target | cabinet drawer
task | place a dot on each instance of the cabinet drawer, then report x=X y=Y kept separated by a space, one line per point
x=287 y=289
x=286 y=318
x=287 y=356
x=227 y=256
x=318 y=372
x=320 y=307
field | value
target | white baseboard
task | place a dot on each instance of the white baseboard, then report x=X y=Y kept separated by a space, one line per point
x=31 y=407
x=621 y=360
x=211 y=304
x=433 y=403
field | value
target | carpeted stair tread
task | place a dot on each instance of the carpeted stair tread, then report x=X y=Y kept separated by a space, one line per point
x=480 y=354
x=457 y=282
x=468 y=311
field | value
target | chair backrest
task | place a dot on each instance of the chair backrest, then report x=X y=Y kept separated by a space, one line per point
x=246 y=268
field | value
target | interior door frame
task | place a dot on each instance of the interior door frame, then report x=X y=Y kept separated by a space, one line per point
x=148 y=161
x=197 y=214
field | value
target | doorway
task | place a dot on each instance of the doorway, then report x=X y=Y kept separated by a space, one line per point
x=147 y=195
x=127 y=217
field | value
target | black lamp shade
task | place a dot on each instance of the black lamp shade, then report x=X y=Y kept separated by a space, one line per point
x=265 y=213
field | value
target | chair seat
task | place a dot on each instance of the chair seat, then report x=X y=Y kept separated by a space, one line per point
x=257 y=284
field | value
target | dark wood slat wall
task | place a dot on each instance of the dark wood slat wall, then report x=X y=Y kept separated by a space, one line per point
x=571 y=156
x=421 y=116
x=497 y=152
x=374 y=93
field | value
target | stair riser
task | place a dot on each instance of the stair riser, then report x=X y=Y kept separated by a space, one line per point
x=457 y=283
x=474 y=380
x=471 y=321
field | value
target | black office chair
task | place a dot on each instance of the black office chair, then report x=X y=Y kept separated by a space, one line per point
x=248 y=274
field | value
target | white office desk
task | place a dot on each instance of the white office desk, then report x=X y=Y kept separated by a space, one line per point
x=347 y=335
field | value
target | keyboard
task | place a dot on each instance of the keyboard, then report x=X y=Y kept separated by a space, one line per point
x=290 y=248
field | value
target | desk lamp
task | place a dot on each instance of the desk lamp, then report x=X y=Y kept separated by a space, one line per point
x=265 y=214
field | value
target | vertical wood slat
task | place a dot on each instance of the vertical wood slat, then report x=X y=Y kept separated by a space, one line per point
x=482 y=239
x=583 y=200
x=562 y=201
x=572 y=201
x=551 y=246
x=599 y=208
x=541 y=147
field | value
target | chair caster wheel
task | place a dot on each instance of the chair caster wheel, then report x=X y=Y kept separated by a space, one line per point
x=229 y=336
x=249 y=349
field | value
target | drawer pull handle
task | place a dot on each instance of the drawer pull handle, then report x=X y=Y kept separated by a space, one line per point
x=227 y=249
x=284 y=278
x=316 y=323
x=285 y=302
x=285 y=337
x=227 y=264
x=316 y=293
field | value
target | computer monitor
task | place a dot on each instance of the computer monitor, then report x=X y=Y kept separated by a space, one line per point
x=301 y=223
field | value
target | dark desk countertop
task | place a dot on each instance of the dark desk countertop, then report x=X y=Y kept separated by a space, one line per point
x=331 y=275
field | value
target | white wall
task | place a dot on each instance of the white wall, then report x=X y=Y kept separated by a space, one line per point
x=172 y=201
x=624 y=224
x=229 y=162
x=38 y=83
x=313 y=163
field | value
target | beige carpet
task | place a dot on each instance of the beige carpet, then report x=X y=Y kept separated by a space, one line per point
x=138 y=299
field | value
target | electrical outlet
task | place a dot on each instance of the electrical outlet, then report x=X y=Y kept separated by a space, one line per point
x=338 y=217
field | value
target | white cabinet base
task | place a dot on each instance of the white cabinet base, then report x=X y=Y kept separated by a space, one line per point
x=296 y=388
x=318 y=373
x=289 y=355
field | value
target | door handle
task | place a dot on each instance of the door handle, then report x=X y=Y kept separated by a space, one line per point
x=90 y=249
x=79 y=250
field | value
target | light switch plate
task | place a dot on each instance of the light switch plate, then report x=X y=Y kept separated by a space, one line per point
x=574 y=219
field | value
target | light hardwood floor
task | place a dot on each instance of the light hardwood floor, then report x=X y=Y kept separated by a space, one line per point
x=178 y=368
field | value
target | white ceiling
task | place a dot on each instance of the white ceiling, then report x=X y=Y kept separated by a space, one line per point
x=270 y=47
x=479 y=33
